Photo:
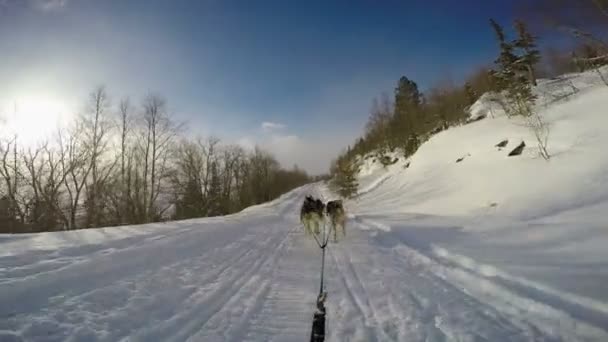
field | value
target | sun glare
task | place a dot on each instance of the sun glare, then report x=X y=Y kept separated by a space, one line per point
x=34 y=118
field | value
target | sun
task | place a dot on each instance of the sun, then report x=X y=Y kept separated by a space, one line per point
x=34 y=118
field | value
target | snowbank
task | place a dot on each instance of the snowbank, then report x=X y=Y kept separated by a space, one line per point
x=486 y=179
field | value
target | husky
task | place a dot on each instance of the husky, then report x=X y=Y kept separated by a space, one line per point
x=335 y=211
x=311 y=215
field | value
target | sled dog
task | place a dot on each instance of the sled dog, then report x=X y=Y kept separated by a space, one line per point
x=311 y=215
x=337 y=216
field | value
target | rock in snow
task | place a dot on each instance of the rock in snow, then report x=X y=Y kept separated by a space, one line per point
x=502 y=143
x=518 y=150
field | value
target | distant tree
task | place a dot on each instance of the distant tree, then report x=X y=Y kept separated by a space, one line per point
x=531 y=56
x=506 y=73
x=9 y=222
x=96 y=125
x=76 y=165
x=516 y=74
x=214 y=196
x=584 y=20
x=344 y=177
x=408 y=123
x=377 y=129
x=483 y=80
x=557 y=62
x=187 y=180
x=158 y=134
x=511 y=77
x=470 y=93
x=45 y=177
x=13 y=213
x=123 y=182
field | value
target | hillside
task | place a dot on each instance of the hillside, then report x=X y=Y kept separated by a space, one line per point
x=522 y=187
x=520 y=224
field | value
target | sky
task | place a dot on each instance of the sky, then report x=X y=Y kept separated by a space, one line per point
x=295 y=77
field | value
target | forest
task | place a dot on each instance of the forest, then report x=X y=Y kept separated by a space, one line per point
x=130 y=164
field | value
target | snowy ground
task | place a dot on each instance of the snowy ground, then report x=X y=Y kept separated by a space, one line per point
x=254 y=277
x=489 y=249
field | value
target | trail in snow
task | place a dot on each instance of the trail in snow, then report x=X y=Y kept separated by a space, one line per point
x=392 y=297
x=254 y=277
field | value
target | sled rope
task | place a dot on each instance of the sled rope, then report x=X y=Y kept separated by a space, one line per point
x=318 y=322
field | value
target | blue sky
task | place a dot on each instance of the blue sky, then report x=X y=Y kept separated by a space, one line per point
x=227 y=67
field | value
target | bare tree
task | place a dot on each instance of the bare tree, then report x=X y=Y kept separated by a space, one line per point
x=46 y=178
x=96 y=130
x=377 y=127
x=9 y=171
x=158 y=134
x=75 y=163
x=541 y=130
x=187 y=180
x=122 y=198
x=81 y=180
x=209 y=149
x=231 y=156
x=584 y=20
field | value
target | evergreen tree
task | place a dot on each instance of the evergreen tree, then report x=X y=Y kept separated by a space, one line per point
x=531 y=55
x=408 y=124
x=344 y=180
x=214 y=197
x=191 y=202
x=8 y=217
x=511 y=77
x=407 y=94
x=505 y=74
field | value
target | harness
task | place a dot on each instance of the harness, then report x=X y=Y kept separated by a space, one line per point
x=318 y=320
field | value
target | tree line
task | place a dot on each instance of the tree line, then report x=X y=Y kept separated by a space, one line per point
x=402 y=122
x=130 y=164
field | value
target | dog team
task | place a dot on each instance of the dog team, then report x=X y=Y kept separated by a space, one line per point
x=312 y=216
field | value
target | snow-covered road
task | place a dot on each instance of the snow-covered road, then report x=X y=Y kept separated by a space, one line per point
x=254 y=277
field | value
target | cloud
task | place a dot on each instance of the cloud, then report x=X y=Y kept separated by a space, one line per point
x=48 y=5
x=312 y=153
x=269 y=126
x=40 y=5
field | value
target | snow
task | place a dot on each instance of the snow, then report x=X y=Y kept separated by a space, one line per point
x=492 y=248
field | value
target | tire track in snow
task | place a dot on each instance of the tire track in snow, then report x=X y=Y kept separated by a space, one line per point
x=286 y=313
x=230 y=322
x=141 y=299
x=194 y=320
x=358 y=296
x=493 y=303
x=411 y=303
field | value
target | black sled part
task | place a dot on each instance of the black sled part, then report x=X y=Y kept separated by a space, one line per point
x=318 y=320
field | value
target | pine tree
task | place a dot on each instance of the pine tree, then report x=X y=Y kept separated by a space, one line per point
x=407 y=94
x=214 y=199
x=531 y=55
x=345 y=181
x=190 y=204
x=8 y=219
x=505 y=74
x=510 y=76
x=409 y=124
